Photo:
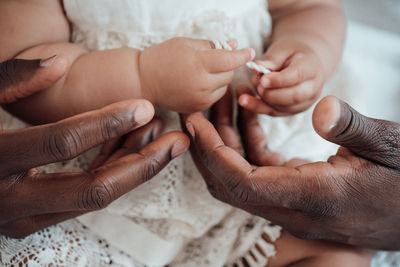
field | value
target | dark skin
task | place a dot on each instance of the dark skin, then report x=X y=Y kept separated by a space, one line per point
x=31 y=200
x=353 y=198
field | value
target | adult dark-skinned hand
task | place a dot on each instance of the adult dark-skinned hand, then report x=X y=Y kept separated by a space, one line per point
x=353 y=198
x=31 y=200
x=21 y=78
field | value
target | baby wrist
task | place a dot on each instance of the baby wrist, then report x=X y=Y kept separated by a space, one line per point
x=145 y=71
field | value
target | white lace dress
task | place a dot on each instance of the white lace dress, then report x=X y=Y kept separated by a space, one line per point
x=172 y=219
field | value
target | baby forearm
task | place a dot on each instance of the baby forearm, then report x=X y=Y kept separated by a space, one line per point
x=319 y=24
x=93 y=80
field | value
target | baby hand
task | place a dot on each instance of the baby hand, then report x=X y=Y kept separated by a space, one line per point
x=188 y=75
x=294 y=84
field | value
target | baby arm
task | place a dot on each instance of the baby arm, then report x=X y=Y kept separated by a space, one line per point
x=305 y=49
x=41 y=30
x=181 y=74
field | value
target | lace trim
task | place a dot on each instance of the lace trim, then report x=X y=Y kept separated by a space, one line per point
x=254 y=257
x=66 y=244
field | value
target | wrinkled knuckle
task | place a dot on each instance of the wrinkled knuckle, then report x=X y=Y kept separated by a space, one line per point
x=147 y=171
x=14 y=71
x=110 y=126
x=154 y=166
x=97 y=196
x=62 y=143
x=240 y=190
x=354 y=129
x=8 y=79
x=8 y=70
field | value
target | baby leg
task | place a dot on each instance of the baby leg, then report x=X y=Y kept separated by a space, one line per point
x=295 y=252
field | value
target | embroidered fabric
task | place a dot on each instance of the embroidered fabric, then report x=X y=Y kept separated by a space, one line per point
x=171 y=205
x=67 y=244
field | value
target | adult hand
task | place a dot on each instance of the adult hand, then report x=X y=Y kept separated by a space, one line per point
x=31 y=200
x=352 y=198
x=21 y=78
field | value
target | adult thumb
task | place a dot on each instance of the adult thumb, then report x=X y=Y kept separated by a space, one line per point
x=373 y=139
x=21 y=78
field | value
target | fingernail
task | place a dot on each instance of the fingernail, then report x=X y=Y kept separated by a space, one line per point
x=243 y=101
x=252 y=53
x=142 y=114
x=265 y=82
x=178 y=149
x=332 y=126
x=47 y=62
x=190 y=129
x=327 y=116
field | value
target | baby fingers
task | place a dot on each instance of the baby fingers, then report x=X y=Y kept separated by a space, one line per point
x=256 y=105
x=290 y=96
x=300 y=68
x=260 y=107
x=216 y=60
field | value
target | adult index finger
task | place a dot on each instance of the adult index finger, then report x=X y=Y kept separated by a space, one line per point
x=36 y=146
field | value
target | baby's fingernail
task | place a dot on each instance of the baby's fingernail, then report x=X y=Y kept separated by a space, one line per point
x=252 y=53
x=265 y=82
x=233 y=43
x=143 y=114
x=47 y=62
x=190 y=129
x=178 y=149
